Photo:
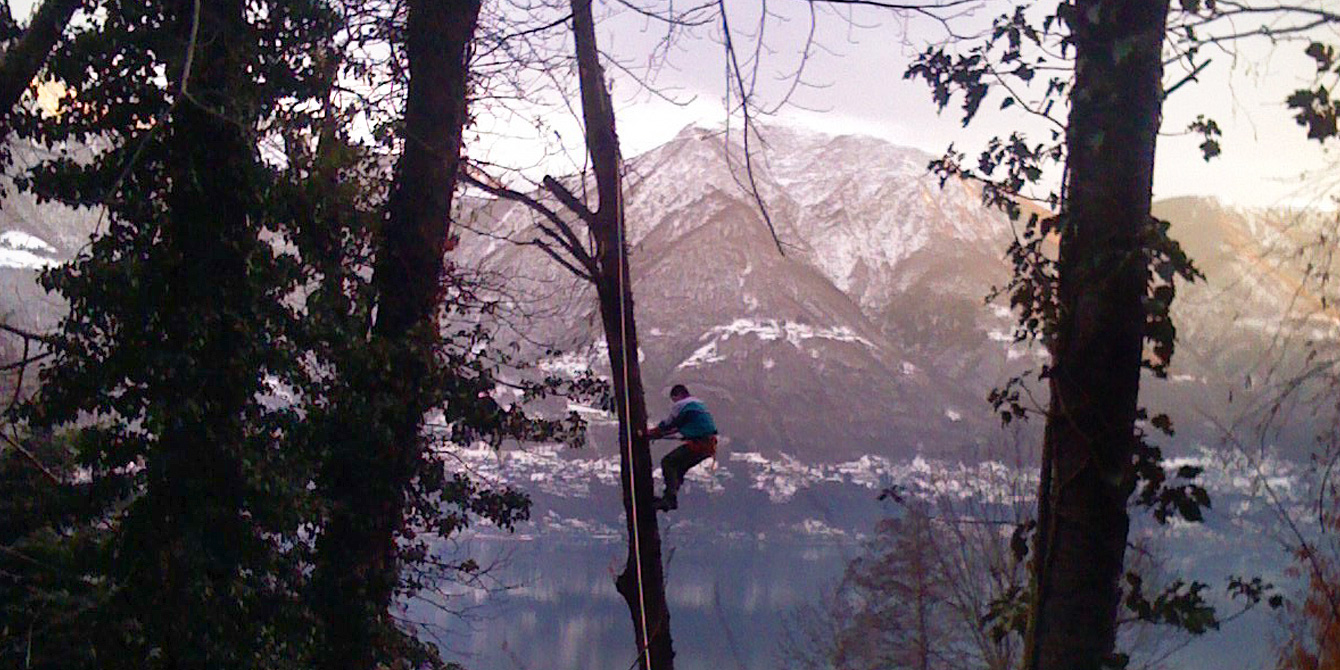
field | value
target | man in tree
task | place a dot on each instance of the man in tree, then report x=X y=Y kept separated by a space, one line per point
x=688 y=417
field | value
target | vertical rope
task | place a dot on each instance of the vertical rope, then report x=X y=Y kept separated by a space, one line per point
x=622 y=259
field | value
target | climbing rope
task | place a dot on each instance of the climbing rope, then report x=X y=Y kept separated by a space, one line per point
x=622 y=259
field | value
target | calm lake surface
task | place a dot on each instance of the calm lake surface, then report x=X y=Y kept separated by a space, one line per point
x=728 y=601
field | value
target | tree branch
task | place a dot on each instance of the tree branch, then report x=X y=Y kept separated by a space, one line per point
x=31 y=457
x=570 y=200
x=558 y=258
x=568 y=239
x=27 y=335
x=733 y=63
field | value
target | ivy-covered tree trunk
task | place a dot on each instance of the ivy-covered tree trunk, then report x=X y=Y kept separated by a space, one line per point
x=1095 y=377
x=369 y=470
x=188 y=536
x=642 y=582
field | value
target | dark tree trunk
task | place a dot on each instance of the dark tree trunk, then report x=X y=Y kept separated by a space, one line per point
x=642 y=582
x=23 y=60
x=365 y=481
x=191 y=518
x=1095 y=379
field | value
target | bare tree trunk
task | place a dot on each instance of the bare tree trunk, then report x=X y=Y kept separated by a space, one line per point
x=1095 y=379
x=357 y=568
x=924 y=573
x=642 y=582
x=24 y=59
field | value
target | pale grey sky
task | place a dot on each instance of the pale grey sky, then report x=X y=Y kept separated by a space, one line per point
x=1266 y=161
x=858 y=68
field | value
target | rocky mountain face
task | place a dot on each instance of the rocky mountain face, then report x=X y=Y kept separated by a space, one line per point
x=34 y=236
x=869 y=331
x=866 y=333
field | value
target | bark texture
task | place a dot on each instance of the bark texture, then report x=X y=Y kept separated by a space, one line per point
x=1095 y=380
x=357 y=568
x=642 y=582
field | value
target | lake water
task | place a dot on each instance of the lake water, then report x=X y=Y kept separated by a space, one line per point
x=740 y=561
x=555 y=608
x=728 y=601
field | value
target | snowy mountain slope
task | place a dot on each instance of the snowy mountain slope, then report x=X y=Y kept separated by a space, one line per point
x=868 y=335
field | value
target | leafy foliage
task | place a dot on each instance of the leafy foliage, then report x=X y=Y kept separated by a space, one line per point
x=1317 y=108
x=218 y=349
x=52 y=547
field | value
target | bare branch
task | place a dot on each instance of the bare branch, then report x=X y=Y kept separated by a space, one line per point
x=25 y=362
x=733 y=63
x=558 y=258
x=569 y=200
x=27 y=335
x=32 y=458
x=568 y=239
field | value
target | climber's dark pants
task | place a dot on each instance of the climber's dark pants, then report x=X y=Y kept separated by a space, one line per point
x=684 y=457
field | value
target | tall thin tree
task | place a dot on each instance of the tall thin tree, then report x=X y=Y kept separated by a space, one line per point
x=1090 y=440
x=366 y=479
x=642 y=581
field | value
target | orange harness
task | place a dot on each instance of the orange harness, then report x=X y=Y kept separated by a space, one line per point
x=703 y=446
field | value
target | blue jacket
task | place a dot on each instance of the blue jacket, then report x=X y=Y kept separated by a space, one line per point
x=690 y=418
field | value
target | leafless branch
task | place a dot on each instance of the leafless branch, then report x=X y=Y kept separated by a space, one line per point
x=737 y=73
x=569 y=200
x=568 y=265
x=31 y=458
x=561 y=233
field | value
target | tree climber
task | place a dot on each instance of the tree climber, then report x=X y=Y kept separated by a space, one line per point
x=688 y=417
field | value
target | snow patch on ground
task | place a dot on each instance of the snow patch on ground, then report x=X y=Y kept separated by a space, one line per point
x=11 y=258
x=544 y=468
x=782 y=478
x=704 y=355
x=570 y=364
x=21 y=250
x=590 y=412
x=817 y=528
x=17 y=239
x=793 y=332
x=768 y=330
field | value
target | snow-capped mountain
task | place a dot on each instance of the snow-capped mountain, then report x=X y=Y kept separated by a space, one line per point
x=867 y=335
x=858 y=360
x=33 y=237
x=870 y=333
x=868 y=341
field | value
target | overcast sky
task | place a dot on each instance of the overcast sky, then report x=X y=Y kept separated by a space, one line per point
x=1267 y=159
x=856 y=86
